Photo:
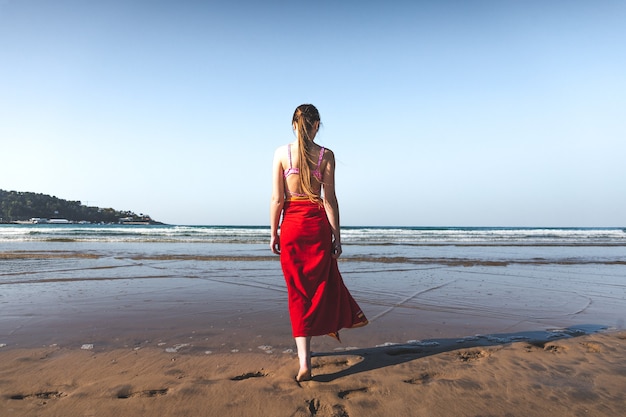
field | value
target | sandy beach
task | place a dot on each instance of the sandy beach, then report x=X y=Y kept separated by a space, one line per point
x=106 y=331
x=571 y=376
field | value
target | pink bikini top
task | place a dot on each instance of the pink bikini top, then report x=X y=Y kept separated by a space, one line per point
x=316 y=172
x=294 y=170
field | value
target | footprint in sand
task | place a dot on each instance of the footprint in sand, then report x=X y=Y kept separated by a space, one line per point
x=48 y=395
x=422 y=379
x=125 y=393
x=546 y=346
x=335 y=365
x=555 y=349
x=345 y=395
x=471 y=355
x=315 y=408
x=248 y=376
x=592 y=347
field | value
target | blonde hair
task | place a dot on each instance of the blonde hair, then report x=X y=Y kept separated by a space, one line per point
x=304 y=118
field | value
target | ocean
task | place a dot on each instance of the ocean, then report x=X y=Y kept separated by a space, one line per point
x=385 y=244
x=351 y=235
x=133 y=283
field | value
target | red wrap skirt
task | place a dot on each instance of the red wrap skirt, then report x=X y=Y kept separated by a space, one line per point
x=319 y=302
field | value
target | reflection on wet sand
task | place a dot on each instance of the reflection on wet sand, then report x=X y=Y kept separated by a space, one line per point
x=111 y=294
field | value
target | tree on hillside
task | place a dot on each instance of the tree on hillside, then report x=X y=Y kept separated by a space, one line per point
x=20 y=206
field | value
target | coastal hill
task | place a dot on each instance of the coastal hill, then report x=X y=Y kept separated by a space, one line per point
x=26 y=207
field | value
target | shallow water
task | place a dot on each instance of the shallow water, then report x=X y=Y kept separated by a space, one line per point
x=231 y=296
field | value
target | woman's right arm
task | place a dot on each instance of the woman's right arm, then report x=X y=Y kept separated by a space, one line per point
x=277 y=202
x=331 y=204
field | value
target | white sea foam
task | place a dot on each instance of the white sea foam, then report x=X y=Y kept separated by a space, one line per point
x=486 y=235
x=387 y=344
x=266 y=348
x=468 y=339
x=176 y=348
x=351 y=235
x=427 y=343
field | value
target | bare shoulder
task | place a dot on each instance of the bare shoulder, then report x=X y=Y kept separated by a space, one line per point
x=329 y=155
x=328 y=164
x=280 y=150
x=327 y=151
x=280 y=153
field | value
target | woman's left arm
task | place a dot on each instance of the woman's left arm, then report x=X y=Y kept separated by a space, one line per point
x=330 y=202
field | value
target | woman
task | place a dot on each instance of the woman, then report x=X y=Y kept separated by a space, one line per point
x=309 y=243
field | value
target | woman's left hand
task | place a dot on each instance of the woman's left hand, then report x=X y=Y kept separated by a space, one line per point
x=336 y=250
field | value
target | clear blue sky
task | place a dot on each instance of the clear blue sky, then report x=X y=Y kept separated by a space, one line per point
x=452 y=113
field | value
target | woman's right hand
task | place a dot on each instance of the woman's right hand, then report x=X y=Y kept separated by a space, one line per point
x=275 y=244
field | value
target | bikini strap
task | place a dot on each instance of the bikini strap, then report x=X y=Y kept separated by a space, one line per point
x=319 y=161
x=289 y=153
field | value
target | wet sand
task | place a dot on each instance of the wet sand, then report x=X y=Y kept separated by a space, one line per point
x=85 y=334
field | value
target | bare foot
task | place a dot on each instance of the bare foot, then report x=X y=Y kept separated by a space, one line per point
x=303 y=375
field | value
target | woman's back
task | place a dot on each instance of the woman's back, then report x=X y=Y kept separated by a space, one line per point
x=291 y=170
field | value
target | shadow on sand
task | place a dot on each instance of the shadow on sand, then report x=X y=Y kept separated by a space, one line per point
x=390 y=355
